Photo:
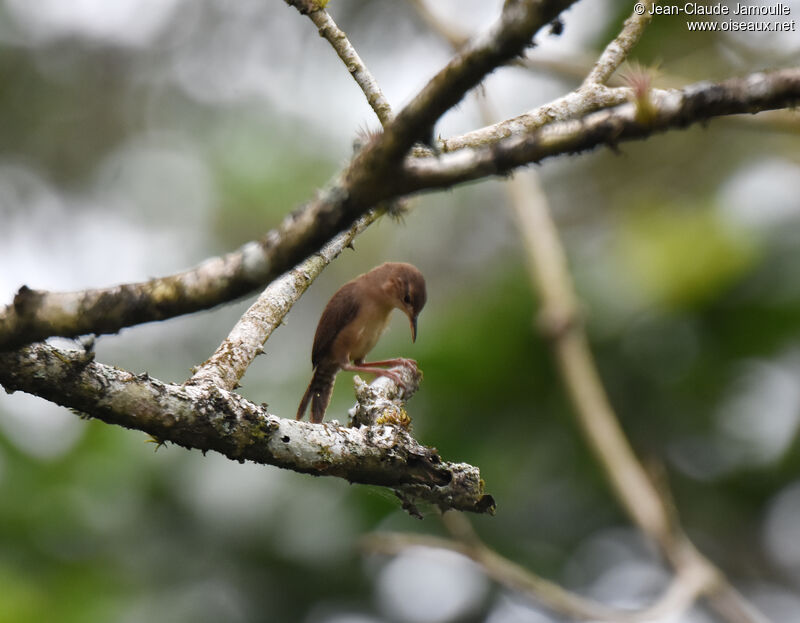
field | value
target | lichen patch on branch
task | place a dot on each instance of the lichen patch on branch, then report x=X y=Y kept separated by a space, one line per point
x=206 y=417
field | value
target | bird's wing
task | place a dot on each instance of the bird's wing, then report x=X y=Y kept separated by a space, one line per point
x=338 y=313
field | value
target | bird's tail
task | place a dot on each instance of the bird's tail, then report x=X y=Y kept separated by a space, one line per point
x=318 y=392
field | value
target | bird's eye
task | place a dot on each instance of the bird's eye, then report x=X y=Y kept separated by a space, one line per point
x=407 y=299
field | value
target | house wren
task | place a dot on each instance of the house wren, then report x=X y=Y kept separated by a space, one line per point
x=351 y=324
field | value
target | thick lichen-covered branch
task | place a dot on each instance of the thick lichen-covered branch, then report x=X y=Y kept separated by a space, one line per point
x=206 y=417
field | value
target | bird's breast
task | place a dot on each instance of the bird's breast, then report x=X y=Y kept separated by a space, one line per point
x=361 y=336
x=368 y=336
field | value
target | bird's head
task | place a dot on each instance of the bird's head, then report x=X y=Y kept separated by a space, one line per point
x=406 y=288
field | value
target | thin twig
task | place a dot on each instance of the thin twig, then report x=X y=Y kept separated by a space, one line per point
x=560 y=319
x=339 y=41
x=601 y=429
x=688 y=583
x=575 y=104
x=617 y=51
x=227 y=365
x=677 y=597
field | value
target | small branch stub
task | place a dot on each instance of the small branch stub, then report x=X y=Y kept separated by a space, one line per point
x=381 y=402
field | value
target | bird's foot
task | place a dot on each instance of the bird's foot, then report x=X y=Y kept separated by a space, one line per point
x=396 y=377
x=373 y=368
x=389 y=368
x=391 y=363
x=411 y=364
x=408 y=376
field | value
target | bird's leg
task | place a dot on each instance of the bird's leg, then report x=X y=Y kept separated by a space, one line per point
x=377 y=371
x=389 y=363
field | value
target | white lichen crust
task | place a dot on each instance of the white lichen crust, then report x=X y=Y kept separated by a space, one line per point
x=206 y=417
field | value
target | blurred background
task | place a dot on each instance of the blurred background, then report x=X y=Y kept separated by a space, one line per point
x=138 y=137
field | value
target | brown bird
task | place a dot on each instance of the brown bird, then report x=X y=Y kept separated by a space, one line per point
x=351 y=324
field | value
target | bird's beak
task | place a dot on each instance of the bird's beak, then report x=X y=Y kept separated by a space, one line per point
x=413 y=320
